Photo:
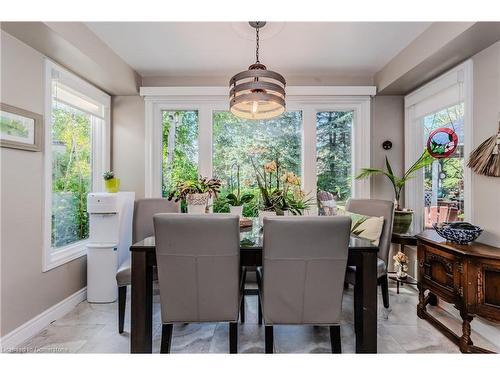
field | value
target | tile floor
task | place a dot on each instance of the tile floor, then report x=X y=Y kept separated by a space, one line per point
x=92 y=328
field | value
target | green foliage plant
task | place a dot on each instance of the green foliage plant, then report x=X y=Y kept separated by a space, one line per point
x=109 y=175
x=238 y=199
x=398 y=183
x=200 y=186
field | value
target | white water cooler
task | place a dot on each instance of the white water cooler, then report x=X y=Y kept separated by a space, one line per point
x=110 y=237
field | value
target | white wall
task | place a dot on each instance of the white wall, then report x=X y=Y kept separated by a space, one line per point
x=25 y=290
x=486 y=113
x=387 y=124
x=128 y=143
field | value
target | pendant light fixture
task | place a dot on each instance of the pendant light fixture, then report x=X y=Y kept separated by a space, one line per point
x=257 y=93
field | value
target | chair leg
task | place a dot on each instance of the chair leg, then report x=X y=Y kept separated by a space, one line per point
x=122 y=299
x=233 y=338
x=384 y=284
x=335 y=339
x=166 y=338
x=269 y=339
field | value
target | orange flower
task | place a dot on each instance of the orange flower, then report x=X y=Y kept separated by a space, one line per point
x=270 y=167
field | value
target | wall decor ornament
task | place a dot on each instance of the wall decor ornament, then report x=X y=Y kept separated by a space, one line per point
x=442 y=142
x=20 y=129
x=485 y=159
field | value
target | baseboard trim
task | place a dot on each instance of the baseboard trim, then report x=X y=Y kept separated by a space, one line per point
x=13 y=339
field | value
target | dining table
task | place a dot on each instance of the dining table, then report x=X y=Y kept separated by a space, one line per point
x=362 y=255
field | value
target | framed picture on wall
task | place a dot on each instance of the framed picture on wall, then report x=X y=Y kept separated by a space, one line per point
x=20 y=129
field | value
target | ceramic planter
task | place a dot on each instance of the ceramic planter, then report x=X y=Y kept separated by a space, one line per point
x=402 y=221
x=197 y=203
x=112 y=185
x=236 y=210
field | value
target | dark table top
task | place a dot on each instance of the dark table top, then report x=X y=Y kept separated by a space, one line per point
x=251 y=239
x=475 y=249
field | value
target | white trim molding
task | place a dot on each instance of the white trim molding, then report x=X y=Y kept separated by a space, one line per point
x=451 y=88
x=11 y=341
x=100 y=159
x=308 y=99
x=290 y=91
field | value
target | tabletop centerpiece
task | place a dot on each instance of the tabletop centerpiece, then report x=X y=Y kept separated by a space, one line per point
x=280 y=194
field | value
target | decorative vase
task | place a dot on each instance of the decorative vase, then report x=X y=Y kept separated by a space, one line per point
x=112 y=185
x=263 y=214
x=400 y=273
x=197 y=203
x=402 y=221
x=236 y=210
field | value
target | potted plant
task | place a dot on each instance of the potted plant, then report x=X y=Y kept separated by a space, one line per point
x=402 y=216
x=279 y=199
x=269 y=196
x=111 y=183
x=196 y=193
x=236 y=201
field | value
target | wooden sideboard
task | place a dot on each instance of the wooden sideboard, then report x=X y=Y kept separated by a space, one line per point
x=468 y=276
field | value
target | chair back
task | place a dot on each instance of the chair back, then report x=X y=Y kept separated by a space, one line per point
x=198 y=267
x=376 y=207
x=304 y=261
x=144 y=209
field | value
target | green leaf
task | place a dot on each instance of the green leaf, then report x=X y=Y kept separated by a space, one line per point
x=246 y=198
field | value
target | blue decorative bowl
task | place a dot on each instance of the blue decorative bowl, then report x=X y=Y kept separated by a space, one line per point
x=457 y=235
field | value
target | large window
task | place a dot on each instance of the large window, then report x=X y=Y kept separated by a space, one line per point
x=76 y=155
x=71 y=173
x=239 y=142
x=324 y=138
x=334 y=153
x=179 y=148
x=442 y=191
x=444 y=178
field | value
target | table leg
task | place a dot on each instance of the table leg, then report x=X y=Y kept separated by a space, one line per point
x=365 y=303
x=141 y=320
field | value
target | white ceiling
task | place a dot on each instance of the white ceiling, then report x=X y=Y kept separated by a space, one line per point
x=222 y=49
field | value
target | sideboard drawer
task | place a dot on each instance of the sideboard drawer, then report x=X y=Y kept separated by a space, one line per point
x=440 y=270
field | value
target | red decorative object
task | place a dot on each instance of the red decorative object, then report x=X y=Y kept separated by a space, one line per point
x=442 y=142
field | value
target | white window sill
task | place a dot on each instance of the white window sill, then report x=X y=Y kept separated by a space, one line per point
x=62 y=255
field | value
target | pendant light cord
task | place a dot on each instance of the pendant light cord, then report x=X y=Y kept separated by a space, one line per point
x=257 y=45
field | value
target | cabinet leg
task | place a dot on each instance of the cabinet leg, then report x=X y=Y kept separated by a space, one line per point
x=465 y=340
x=432 y=299
x=421 y=302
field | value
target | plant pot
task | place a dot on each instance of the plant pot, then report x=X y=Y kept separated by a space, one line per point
x=197 y=203
x=236 y=210
x=263 y=214
x=112 y=185
x=402 y=221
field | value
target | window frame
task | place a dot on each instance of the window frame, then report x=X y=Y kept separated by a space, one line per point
x=308 y=99
x=100 y=160
x=428 y=96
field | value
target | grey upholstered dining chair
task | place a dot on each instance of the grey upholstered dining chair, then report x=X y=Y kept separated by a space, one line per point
x=142 y=227
x=375 y=207
x=301 y=281
x=198 y=263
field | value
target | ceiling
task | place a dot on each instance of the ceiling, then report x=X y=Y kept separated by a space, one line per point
x=221 y=49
